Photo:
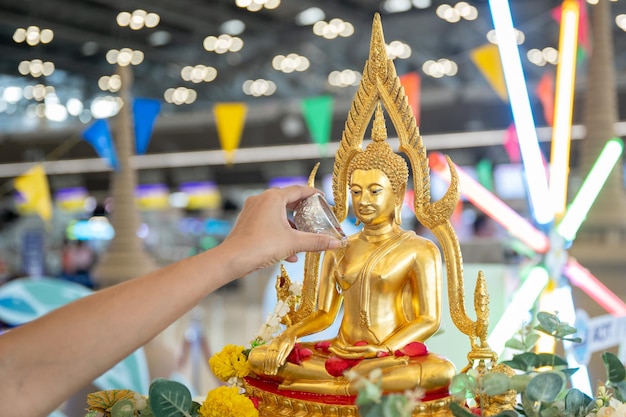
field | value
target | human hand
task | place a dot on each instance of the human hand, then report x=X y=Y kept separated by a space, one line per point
x=263 y=234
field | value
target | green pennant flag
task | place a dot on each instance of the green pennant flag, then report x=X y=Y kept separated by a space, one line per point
x=318 y=115
x=484 y=172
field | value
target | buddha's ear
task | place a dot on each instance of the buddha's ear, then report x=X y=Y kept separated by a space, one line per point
x=401 y=194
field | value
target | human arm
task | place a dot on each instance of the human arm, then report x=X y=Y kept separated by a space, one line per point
x=44 y=362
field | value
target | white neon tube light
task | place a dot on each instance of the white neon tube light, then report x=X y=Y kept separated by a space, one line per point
x=522 y=113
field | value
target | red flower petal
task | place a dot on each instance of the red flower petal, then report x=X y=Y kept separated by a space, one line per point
x=255 y=401
x=412 y=349
x=323 y=346
x=361 y=343
x=299 y=354
x=382 y=354
x=337 y=366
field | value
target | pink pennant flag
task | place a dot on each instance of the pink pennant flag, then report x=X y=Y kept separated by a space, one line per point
x=511 y=144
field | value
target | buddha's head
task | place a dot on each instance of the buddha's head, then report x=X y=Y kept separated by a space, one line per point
x=378 y=173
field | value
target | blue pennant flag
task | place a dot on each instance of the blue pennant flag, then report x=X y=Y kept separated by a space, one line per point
x=99 y=136
x=145 y=111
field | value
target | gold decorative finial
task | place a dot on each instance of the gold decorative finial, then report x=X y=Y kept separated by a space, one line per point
x=379 y=130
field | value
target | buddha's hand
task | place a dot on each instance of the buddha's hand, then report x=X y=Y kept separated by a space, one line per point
x=360 y=350
x=277 y=352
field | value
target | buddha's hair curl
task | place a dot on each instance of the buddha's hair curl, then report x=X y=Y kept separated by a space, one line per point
x=379 y=155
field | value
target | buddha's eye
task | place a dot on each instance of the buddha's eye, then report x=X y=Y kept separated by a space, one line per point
x=377 y=190
x=355 y=192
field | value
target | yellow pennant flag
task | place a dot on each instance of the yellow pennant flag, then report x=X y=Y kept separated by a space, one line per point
x=33 y=186
x=230 y=119
x=487 y=59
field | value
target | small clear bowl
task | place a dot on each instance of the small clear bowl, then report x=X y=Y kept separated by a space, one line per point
x=314 y=215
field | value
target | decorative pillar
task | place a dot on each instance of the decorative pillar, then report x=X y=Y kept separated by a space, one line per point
x=600 y=116
x=125 y=257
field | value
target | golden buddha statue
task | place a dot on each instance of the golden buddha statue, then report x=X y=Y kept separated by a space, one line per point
x=387 y=279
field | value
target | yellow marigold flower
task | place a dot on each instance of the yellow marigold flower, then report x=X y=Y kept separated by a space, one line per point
x=230 y=362
x=227 y=402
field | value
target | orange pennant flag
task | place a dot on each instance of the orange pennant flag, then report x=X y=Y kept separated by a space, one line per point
x=487 y=59
x=34 y=188
x=230 y=119
x=412 y=85
x=545 y=93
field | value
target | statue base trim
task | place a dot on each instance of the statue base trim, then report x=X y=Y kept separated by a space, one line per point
x=276 y=402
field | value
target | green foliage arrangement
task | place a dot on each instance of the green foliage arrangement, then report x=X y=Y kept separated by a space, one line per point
x=539 y=383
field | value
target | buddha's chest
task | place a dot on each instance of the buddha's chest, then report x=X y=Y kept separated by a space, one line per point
x=383 y=270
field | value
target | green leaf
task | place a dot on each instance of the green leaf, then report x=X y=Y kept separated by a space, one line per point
x=463 y=386
x=531 y=408
x=549 y=359
x=495 y=383
x=371 y=410
x=459 y=411
x=619 y=389
x=170 y=399
x=394 y=405
x=545 y=386
x=548 y=322
x=531 y=340
x=614 y=368
x=370 y=393
x=515 y=344
x=123 y=408
x=576 y=403
x=520 y=382
x=524 y=361
x=564 y=329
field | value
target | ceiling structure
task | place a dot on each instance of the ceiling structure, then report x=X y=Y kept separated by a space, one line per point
x=454 y=109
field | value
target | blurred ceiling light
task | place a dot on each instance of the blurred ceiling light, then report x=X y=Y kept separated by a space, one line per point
x=336 y=27
x=290 y=63
x=33 y=35
x=124 y=57
x=37 y=92
x=198 y=73
x=222 y=44
x=159 y=38
x=620 y=20
x=12 y=94
x=138 y=19
x=54 y=111
x=107 y=106
x=422 y=4
x=111 y=83
x=258 y=88
x=36 y=68
x=541 y=57
x=310 y=16
x=345 y=78
x=519 y=37
x=440 y=68
x=74 y=106
x=461 y=10
x=398 y=49
x=180 y=95
x=257 y=5
x=233 y=27
x=397 y=6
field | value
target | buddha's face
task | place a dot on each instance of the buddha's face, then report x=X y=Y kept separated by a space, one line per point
x=373 y=198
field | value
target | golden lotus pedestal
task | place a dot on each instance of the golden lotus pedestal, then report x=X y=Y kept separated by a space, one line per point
x=274 y=402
